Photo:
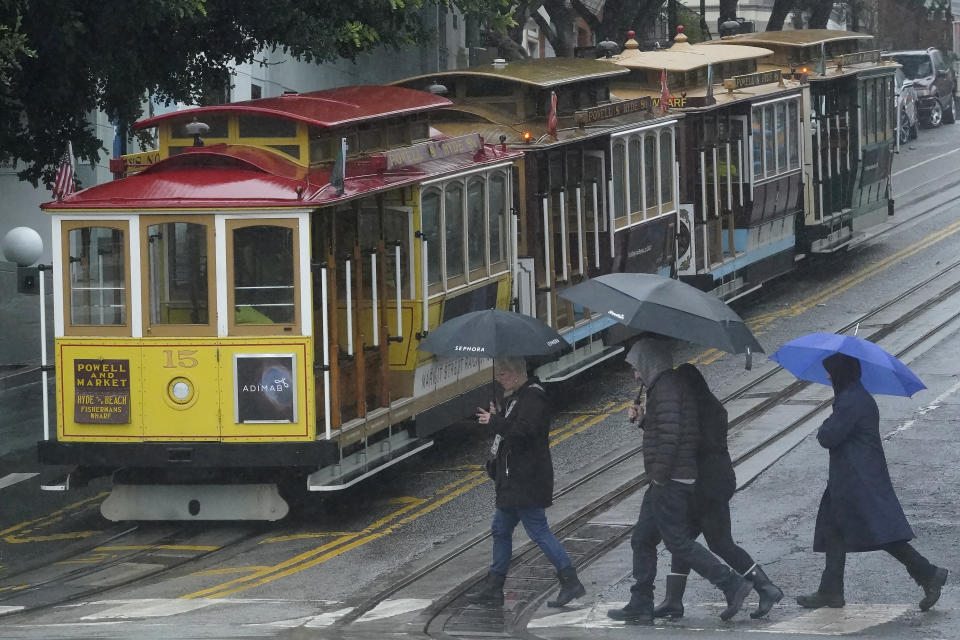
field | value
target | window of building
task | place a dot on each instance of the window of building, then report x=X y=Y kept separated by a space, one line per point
x=256 y=91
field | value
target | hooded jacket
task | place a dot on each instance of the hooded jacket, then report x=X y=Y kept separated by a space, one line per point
x=671 y=433
x=522 y=469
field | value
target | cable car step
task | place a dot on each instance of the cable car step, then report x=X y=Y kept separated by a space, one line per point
x=577 y=361
x=366 y=462
x=194 y=502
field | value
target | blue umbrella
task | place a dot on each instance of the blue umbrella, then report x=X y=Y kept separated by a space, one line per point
x=881 y=372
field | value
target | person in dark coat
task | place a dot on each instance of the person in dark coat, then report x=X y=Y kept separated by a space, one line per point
x=859 y=510
x=710 y=511
x=671 y=439
x=522 y=470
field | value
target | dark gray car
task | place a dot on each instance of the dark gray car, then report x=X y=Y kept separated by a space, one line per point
x=934 y=81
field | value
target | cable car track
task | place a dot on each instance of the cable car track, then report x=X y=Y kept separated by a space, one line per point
x=453 y=615
x=130 y=564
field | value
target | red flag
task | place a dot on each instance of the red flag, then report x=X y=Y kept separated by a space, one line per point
x=552 y=116
x=63 y=185
x=664 y=93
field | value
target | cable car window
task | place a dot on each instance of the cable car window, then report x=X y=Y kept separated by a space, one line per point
x=619 y=183
x=217 y=123
x=870 y=111
x=263 y=280
x=781 y=113
x=498 y=216
x=252 y=126
x=476 y=236
x=794 y=135
x=757 y=144
x=369 y=239
x=97 y=267
x=635 y=176
x=430 y=227
x=650 y=173
x=453 y=225
x=177 y=273
x=769 y=141
x=666 y=167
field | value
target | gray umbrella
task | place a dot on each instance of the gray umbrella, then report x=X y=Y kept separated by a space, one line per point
x=648 y=302
x=492 y=333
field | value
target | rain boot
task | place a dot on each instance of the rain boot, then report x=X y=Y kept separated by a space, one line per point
x=770 y=594
x=931 y=588
x=672 y=605
x=570 y=587
x=492 y=590
x=638 y=611
x=736 y=592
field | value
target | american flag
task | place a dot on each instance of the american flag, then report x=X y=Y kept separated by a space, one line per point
x=63 y=185
x=552 y=123
x=664 y=93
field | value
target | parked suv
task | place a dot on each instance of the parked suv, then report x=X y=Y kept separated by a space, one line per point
x=934 y=81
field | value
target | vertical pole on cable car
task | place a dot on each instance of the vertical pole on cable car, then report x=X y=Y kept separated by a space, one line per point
x=610 y=215
x=349 y=284
x=596 y=227
x=361 y=361
x=580 y=260
x=564 y=238
x=374 y=308
x=546 y=260
x=396 y=268
x=326 y=348
x=43 y=351
x=424 y=286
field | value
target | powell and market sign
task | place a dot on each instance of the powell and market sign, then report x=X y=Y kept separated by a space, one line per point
x=613 y=110
x=752 y=80
x=433 y=150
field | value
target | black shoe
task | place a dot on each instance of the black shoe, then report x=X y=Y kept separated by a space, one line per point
x=735 y=597
x=672 y=605
x=770 y=594
x=492 y=590
x=817 y=600
x=570 y=588
x=931 y=588
x=638 y=611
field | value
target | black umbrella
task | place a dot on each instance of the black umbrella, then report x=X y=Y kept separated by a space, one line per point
x=649 y=302
x=492 y=334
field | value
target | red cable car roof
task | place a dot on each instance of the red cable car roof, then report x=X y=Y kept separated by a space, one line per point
x=328 y=108
x=232 y=176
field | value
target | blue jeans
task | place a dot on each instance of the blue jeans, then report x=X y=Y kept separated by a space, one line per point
x=534 y=520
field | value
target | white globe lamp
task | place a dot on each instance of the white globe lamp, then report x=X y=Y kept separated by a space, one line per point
x=22 y=245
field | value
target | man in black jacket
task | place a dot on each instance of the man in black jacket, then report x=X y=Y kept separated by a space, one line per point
x=522 y=471
x=671 y=438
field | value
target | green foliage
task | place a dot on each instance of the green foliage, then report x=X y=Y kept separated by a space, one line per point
x=63 y=59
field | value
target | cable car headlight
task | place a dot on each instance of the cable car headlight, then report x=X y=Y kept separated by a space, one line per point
x=181 y=390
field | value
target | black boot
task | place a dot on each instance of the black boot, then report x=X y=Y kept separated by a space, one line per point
x=736 y=593
x=819 y=599
x=931 y=588
x=672 y=605
x=492 y=590
x=570 y=587
x=770 y=594
x=638 y=611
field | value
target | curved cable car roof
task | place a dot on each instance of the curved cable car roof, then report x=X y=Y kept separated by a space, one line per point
x=227 y=176
x=542 y=73
x=683 y=56
x=794 y=37
x=328 y=108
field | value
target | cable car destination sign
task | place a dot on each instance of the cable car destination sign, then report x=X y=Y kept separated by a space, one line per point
x=752 y=80
x=612 y=110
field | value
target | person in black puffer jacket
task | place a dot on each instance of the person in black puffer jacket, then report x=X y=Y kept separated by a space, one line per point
x=671 y=438
x=522 y=471
x=715 y=486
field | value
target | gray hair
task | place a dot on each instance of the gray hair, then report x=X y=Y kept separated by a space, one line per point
x=512 y=364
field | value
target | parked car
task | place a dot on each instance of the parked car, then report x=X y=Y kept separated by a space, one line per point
x=934 y=81
x=905 y=101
